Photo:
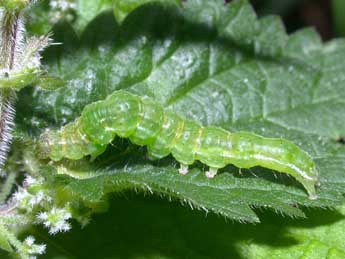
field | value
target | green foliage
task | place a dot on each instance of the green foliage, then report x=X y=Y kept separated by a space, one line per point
x=216 y=64
x=219 y=66
x=14 y=5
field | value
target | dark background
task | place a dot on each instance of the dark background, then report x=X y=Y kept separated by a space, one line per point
x=301 y=13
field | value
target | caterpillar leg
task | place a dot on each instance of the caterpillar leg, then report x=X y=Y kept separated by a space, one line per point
x=211 y=173
x=183 y=169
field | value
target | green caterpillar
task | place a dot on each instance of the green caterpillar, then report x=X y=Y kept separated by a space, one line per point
x=146 y=122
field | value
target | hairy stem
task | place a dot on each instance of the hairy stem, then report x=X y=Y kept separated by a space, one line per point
x=11 y=39
x=7 y=114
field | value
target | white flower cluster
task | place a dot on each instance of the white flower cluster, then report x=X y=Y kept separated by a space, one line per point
x=26 y=200
x=55 y=220
x=32 y=249
x=29 y=180
x=63 y=5
x=61 y=9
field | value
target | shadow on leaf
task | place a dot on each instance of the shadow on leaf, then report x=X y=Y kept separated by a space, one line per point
x=138 y=227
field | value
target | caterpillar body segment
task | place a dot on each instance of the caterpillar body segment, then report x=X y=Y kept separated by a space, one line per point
x=68 y=142
x=146 y=122
x=171 y=128
x=150 y=123
x=119 y=114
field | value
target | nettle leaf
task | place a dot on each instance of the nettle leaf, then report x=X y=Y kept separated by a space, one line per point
x=219 y=65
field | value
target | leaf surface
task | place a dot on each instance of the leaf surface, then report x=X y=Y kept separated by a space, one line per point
x=215 y=64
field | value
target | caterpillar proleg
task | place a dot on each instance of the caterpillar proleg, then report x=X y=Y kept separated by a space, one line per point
x=146 y=122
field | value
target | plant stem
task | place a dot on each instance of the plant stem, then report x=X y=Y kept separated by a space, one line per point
x=11 y=39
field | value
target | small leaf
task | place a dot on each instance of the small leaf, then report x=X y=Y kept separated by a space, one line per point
x=19 y=80
x=50 y=83
x=4 y=243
